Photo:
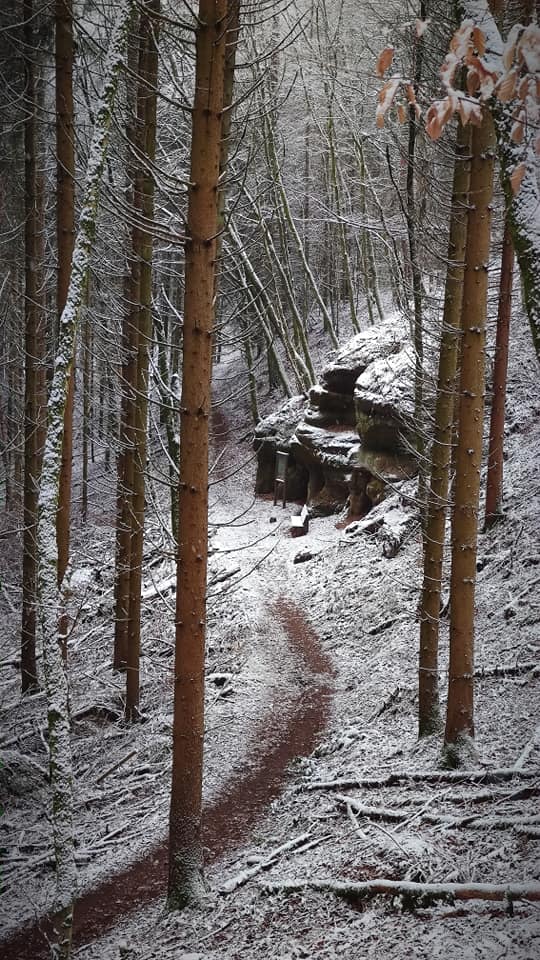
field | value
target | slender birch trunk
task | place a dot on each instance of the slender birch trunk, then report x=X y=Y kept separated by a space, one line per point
x=185 y=843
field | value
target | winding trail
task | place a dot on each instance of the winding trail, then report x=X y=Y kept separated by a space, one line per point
x=288 y=731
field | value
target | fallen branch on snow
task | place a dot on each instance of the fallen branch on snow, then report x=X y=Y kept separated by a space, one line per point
x=413 y=894
x=115 y=766
x=427 y=776
x=305 y=840
x=400 y=816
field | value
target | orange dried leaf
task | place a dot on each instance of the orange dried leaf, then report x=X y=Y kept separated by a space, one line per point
x=479 y=40
x=402 y=113
x=506 y=88
x=386 y=97
x=516 y=133
x=384 y=61
x=462 y=39
x=409 y=90
x=517 y=176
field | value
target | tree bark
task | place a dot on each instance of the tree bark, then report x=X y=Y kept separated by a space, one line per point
x=54 y=674
x=460 y=706
x=494 y=488
x=148 y=69
x=441 y=453
x=185 y=846
x=34 y=383
x=130 y=348
x=65 y=232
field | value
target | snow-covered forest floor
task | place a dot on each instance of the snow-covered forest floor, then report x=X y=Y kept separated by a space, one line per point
x=362 y=606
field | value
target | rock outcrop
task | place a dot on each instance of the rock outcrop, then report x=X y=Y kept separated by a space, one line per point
x=354 y=435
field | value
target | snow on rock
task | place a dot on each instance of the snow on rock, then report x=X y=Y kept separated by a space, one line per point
x=384 y=400
x=366 y=393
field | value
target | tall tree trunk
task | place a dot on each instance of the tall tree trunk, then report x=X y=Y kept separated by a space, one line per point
x=65 y=232
x=441 y=453
x=34 y=386
x=460 y=706
x=494 y=487
x=148 y=72
x=54 y=674
x=130 y=349
x=185 y=846
x=86 y=416
x=416 y=274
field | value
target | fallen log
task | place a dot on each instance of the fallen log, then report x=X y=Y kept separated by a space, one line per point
x=427 y=776
x=413 y=895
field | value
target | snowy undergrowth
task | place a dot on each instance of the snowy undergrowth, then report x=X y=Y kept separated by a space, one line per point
x=363 y=607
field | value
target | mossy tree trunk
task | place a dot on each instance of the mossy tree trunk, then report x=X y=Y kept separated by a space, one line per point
x=49 y=600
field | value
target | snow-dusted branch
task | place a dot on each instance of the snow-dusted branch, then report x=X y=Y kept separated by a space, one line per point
x=413 y=894
x=501 y=775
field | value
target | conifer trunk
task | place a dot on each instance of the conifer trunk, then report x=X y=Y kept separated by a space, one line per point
x=494 y=487
x=130 y=348
x=34 y=385
x=460 y=706
x=185 y=845
x=65 y=233
x=148 y=69
x=441 y=453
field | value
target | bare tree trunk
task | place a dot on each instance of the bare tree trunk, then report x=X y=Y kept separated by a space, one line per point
x=185 y=846
x=441 y=454
x=34 y=387
x=130 y=349
x=87 y=346
x=148 y=69
x=65 y=232
x=460 y=706
x=416 y=274
x=494 y=488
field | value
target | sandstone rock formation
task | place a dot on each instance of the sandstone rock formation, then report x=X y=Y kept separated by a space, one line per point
x=354 y=436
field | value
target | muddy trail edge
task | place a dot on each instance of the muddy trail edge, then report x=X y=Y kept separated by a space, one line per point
x=288 y=731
